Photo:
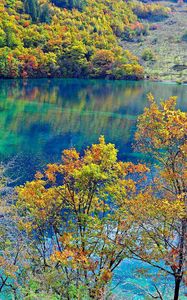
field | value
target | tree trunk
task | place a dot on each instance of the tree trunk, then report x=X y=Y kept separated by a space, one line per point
x=177 y=287
x=182 y=260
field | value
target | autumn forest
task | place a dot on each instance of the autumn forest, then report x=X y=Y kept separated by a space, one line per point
x=93 y=150
x=75 y=38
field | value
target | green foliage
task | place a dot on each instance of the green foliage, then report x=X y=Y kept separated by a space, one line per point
x=32 y=8
x=10 y=3
x=152 y=11
x=80 y=292
x=42 y=38
x=148 y=55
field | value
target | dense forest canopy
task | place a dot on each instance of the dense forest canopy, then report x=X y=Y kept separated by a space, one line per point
x=71 y=38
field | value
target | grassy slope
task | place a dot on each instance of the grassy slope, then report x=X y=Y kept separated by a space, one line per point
x=167 y=46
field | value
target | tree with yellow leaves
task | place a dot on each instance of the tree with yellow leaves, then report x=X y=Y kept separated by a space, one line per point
x=162 y=133
x=73 y=212
x=81 y=217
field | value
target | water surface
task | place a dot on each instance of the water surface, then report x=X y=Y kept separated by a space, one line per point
x=40 y=118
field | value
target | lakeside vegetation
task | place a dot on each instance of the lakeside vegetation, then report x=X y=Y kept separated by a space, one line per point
x=42 y=38
x=108 y=214
x=64 y=233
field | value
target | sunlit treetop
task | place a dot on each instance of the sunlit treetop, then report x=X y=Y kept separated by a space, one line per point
x=162 y=126
x=162 y=132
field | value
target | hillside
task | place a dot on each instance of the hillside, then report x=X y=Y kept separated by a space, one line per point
x=163 y=52
x=42 y=38
x=90 y=39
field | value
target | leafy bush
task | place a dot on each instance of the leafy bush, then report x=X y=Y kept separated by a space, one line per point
x=148 y=55
x=134 y=32
x=150 y=10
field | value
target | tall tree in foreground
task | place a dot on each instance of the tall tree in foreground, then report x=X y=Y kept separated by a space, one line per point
x=74 y=214
x=80 y=218
x=162 y=133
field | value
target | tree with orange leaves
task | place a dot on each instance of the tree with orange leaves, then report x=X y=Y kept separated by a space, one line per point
x=74 y=215
x=162 y=133
x=83 y=216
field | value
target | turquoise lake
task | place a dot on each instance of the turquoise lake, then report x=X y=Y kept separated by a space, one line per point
x=40 y=118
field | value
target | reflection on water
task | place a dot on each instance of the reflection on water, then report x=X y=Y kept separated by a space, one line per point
x=39 y=118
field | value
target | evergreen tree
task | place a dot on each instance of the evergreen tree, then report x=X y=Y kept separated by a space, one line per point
x=32 y=8
x=69 y=4
x=45 y=16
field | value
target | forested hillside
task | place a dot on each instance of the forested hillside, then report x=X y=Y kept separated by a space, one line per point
x=71 y=38
x=65 y=38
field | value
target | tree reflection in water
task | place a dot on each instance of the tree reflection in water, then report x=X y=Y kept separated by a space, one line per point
x=40 y=118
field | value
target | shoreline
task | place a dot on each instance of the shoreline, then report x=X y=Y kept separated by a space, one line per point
x=97 y=79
